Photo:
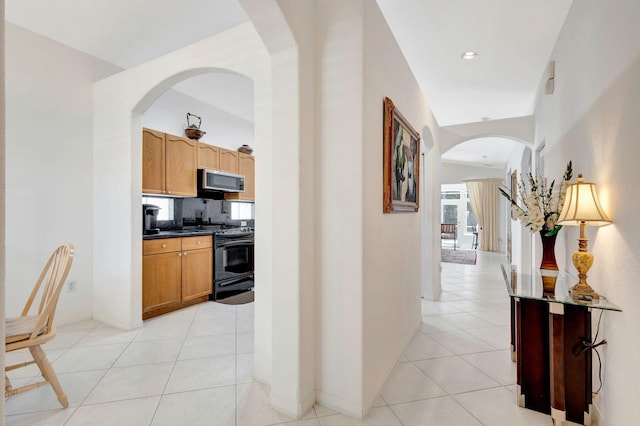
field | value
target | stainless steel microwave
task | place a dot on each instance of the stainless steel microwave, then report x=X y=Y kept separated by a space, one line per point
x=217 y=180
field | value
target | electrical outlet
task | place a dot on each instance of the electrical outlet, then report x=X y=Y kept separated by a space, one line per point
x=243 y=223
x=71 y=286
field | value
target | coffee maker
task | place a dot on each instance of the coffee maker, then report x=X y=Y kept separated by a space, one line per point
x=150 y=219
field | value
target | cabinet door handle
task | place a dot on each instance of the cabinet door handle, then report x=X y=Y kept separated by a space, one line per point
x=185 y=253
x=179 y=254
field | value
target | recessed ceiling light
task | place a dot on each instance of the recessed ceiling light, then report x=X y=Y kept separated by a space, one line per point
x=469 y=55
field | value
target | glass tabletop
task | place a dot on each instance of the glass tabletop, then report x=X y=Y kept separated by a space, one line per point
x=529 y=286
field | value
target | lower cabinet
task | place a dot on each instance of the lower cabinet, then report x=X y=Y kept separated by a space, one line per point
x=176 y=272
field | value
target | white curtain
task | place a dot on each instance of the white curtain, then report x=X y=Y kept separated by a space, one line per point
x=483 y=195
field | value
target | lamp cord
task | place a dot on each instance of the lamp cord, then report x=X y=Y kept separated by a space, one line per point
x=586 y=345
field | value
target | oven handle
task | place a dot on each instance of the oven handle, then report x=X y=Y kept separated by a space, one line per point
x=223 y=244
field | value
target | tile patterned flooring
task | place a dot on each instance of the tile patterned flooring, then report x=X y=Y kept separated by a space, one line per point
x=194 y=367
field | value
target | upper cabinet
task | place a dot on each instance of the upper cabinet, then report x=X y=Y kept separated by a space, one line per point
x=208 y=156
x=169 y=164
x=229 y=160
x=181 y=166
x=246 y=167
x=153 y=153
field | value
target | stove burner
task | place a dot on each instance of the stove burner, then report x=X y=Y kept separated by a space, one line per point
x=244 y=230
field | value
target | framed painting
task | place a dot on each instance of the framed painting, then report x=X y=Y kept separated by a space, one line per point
x=401 y=168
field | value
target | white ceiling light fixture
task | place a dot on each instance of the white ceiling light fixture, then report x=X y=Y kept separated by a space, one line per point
x=469 y=55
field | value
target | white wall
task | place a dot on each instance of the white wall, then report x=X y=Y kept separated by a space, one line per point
x=431 y=248
x=169 y=114
x=521 y=238
x=345 y=211
x=293 y=160
x=339 y=41
x=49 y=165
x=391 y=243
x=455 y=173
x=592 y=119
x=2 y=192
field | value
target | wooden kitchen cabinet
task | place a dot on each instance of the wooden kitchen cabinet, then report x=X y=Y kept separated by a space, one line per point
x=169 y=164
x=197 y=267
x=176 y=272
x=229 y=160
x=181 y=165
x=161 y=275
x=153 y=162
x=246 y=167
x=208 y=156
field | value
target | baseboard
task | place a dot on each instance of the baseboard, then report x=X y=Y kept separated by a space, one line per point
x=264 y=379
x=338 y=404
x=291 y=408
x=117 y=324
x=596 y=416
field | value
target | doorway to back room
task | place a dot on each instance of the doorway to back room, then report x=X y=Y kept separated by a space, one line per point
x=455 y=208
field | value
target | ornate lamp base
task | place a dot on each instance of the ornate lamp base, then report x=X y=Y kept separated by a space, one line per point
x=582 y=260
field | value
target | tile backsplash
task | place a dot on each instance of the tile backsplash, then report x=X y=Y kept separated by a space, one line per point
x=201 y=209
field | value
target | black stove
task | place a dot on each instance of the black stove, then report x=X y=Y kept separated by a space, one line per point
x=232 y=260
x=235 y=231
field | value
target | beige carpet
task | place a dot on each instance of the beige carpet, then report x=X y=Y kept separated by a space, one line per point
x=466 y=257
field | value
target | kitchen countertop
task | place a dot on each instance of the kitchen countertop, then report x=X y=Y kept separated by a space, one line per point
x=177 y=233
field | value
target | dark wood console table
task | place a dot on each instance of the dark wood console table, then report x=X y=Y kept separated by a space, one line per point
x=547 y=335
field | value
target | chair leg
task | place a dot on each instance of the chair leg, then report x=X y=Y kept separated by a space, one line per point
x=49 y=375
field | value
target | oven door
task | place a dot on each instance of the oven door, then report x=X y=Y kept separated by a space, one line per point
x=233 y=257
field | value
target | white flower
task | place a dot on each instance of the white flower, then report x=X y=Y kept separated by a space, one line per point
x=538 y=206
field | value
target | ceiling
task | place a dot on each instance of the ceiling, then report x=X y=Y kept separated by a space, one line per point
x=513 y=39
x=127 y=33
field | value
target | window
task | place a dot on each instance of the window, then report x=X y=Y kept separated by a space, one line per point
x=165 y=204
x=540 y=161
x=241 y=211
x=450 y=195
x=456 y=208
x=471 y=218
x=450 y=213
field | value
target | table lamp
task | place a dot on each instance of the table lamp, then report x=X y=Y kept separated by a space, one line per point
x=582 y=207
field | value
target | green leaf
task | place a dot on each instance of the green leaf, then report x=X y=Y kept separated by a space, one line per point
x=554 y=231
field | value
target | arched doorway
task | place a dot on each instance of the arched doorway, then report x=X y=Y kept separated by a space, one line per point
x=119 y=103
x=517 y=133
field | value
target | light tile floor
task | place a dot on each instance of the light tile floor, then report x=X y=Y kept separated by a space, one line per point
x=194 y=367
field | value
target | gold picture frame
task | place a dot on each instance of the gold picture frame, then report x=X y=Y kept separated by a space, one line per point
x=401 y=168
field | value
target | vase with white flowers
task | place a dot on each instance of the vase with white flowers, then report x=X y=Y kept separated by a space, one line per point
x=538 y=206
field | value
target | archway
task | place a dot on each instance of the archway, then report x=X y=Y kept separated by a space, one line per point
x=520 y=132
x=118 y=105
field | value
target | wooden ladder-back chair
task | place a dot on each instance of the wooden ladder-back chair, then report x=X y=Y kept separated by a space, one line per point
x=32 y=330
x=449 y=231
